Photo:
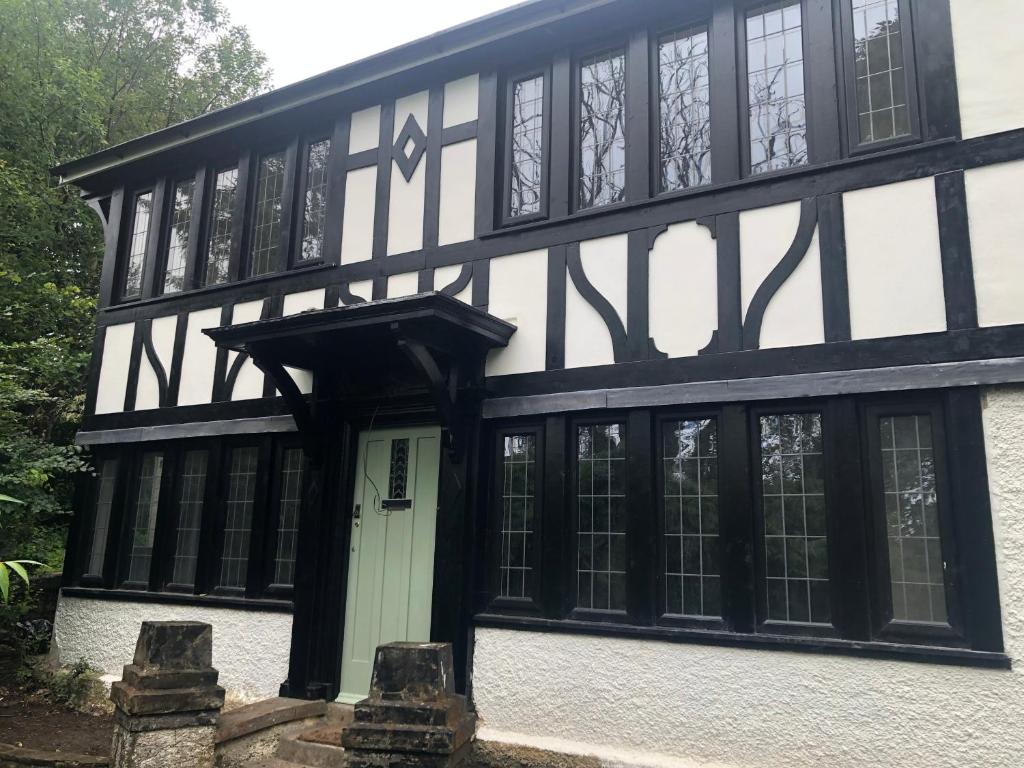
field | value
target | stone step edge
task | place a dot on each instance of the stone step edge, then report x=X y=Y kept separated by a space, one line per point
x=260 y=715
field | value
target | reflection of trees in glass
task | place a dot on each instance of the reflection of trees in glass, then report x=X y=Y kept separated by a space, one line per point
x=177 y=246
x=316 y=200
x=602 y=130
x=517 y=524
x=601 y=517
x=882 y=111
x=775 y=83
x=266 y=229
x=527 y=134
x=144 y=529
x=685 y=111
x=218 y=254
x=137 y=246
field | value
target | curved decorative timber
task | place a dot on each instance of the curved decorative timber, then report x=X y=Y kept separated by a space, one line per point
x=596 y=299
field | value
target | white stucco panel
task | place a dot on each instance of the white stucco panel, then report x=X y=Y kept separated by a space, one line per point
x=518 y=294
x=249 y=384
x=461 y=99
x=405 y=284
x=117 y=352
x=995 y=199
x=361 y=288
x=357 y=220
x=147 y=394
x=587 y=340
x=293 y=304
x=200 y=358
x=989 y=59
x=405 y=216
x=683 y=292
x=457 y=203
x=893 y=262
x=364 y=130
x=250 y=648
x=445 y=276
x=415 y=104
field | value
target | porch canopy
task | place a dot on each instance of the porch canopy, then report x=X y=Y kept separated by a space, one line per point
x=376 y=350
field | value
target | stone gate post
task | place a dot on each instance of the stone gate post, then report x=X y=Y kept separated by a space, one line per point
x=168 y=701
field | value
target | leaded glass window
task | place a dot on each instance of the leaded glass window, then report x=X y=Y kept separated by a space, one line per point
x=289 y=507
x=793 y=505
x=315 y=203
x=602 y=130
x=775 y=87
x=97 y=537
x=690 y=467
x=222 y=216
x=881 y=80
x=518 y=514
x=192 y=489
x=266 y=227
x=527 y=138
x=177 y=241
x=143 y=518
x=136 y=261
x=238 y=517
x=601 y=517
x=916 y=570
x=684 y=92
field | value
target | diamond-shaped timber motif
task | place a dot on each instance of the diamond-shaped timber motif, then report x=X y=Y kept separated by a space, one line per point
x=407 y=162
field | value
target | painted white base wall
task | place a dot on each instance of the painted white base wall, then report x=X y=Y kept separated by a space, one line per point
x=641 y=702
x=250 y=648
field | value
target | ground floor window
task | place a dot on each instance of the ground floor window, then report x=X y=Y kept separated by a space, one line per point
x=849 y=518
x=194 y=517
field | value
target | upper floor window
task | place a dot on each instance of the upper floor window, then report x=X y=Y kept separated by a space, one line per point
x=136 y=261
x=684 y=110
x=222 y=217
x=526 y=154
x=177 y=240
x=266 y=223
x=775 y=87
x=314 y=205
x=602 y=130
x=881 y=93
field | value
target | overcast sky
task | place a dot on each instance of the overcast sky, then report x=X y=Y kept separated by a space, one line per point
x=303 y=38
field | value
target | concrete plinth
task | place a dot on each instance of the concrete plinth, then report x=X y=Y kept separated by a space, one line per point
x=168 y=701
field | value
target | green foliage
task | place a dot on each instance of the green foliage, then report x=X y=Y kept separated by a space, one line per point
x=77 y=687
x=77 y=76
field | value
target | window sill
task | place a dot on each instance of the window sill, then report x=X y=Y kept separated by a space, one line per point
x=178 y=598
x=866 y=649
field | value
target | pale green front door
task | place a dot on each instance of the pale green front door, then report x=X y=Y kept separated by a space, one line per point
x=391 y=557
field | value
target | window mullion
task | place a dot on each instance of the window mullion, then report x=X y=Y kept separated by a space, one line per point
x=638 y=116
x=291 y=221
x=560 y=160
x=641 y=527
x=151 y=272
x=725 y=84
x=553 y=519
x=164 y=539
x=822 y=83
x=256 y=577
x=192 y=260
x=208 y=555
x=736 y=505
x=242 y=217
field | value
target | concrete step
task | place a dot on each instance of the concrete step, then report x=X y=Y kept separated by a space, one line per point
x=312 y=753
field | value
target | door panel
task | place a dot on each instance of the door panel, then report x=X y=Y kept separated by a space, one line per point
x=391 y=562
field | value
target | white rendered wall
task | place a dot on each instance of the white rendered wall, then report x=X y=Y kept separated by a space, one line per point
x=294 y=304
x=587 y=340
x=404 y=284
x=117 y=352
x=364 y=130
x=461 y=99
x=456 y=206
x=683 y=294
x=357 y=220
x=445 y=276
x=249 y=383
x=989 y=60
x=518 y=294
x=995 y=199
x=893 y=262
x=250 y=648
x=677 y=704
x=406 y=201
x=147 y=392
x=200 y=358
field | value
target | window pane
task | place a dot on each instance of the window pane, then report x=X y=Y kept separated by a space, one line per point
x=398 y=474
x=289 y=506
x=601 y=517
x=147 y=499
x=690 y=465
x=177 y=245
x=527 y=137
x=238 y=517
x=97 y=537
x=602 y=133
x=315 y=209
x=518 y=500
x=137 y=245
x=190 y=515
x=912 y=520
x=775 y=87
x=881 y=80
x=793 y=504
x=266 y=226
x=218 y=253
x=685 y=110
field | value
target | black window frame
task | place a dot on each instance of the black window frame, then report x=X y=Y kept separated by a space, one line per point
x=238 y=228
x=267 y=572
x=294 y=248
x=132 y=477
x=126 y=246
x=510 y=80
x=167 y=222
x=91 y=497
x=169 y=531
x=280 y=259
